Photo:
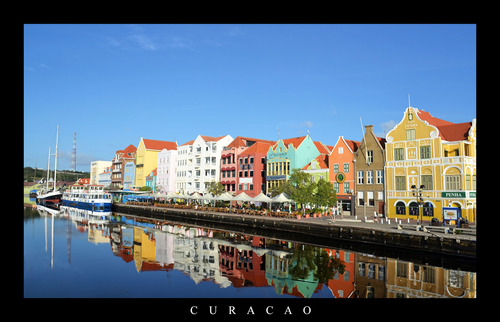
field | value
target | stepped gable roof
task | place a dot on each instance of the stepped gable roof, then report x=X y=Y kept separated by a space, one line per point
x=159 y=145
x=257 y=147
x=448 y=131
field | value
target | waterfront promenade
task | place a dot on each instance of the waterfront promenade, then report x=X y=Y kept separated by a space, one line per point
x=346 y=233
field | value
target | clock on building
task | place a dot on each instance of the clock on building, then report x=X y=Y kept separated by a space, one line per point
x=340 y=177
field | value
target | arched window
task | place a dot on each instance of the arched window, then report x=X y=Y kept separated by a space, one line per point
x=413 y=208
x=428 y=209
x=400 y=208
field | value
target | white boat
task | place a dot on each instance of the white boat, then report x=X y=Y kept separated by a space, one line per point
x=51 y=198
x=87 y=200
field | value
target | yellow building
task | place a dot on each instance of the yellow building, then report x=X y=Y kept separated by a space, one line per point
x=436 y=157
x=147 y=157
x=409 y=280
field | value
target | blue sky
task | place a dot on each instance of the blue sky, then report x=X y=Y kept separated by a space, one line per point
x=113 y=84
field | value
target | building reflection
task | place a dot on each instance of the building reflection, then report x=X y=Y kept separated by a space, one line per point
x=238 y=260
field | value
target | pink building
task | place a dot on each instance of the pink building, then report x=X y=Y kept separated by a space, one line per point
x=229 y=165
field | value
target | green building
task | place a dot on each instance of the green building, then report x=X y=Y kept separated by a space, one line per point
x=289 y=154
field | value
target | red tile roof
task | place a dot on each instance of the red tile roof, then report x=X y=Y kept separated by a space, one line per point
x=240 y=141
x=159 y=145
x=321 y=162
x=257 y=147
x=295 y=141
x=448 y=131
x=352 y=144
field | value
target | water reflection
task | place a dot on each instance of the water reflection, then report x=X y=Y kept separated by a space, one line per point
x=236 y=261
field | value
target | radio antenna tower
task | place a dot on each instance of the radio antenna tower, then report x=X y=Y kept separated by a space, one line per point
x=73 y=156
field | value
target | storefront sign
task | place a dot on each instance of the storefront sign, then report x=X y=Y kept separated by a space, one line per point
x=453 y=194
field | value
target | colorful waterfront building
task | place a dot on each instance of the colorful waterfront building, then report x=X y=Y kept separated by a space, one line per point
x=431 y=168
x=242 y=164
x=410 y=280
x=341 y=167
x=129 y=175
x=147 y=158
x=105 y=177
x=167 y=162
x=318 y=168
x=151 y=180
x=118 y=165
x=370 y=166
x=198 y=163
x=286 y=155
x=97 y=167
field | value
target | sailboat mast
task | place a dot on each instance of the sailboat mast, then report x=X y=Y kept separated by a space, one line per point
x=55 y=166
x=48 y=171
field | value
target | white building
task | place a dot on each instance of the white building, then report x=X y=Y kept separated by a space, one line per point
x=198 y=163
x=97 y=167
x=166 y=173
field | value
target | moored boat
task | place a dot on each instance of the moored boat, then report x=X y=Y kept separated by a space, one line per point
x=87 y=200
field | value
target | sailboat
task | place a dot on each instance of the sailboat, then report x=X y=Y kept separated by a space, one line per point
x=51 y=198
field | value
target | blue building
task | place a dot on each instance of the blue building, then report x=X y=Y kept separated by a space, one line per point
x=129 y=175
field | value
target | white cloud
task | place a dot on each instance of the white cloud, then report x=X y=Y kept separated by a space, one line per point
x=386 y=127
x=143 y=41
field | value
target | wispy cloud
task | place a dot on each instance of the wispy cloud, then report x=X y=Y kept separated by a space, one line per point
x=143 y=41
x=386 y=127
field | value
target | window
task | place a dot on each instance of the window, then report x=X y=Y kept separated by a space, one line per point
x=371 y=201
x=428 y=276
x=369 y=177
x=369 y=156
x=400 y=208
x=336 y=187
x=381 y=273
x=341 y=150
x=427 y=182
x=413 y=208
x=346 y=167
x=380 y=176
x=410 y=134
x=400 y=183
x=360 y=177
x=399 y=154
x=251 y=159
x=361 y=200
x=347 y=188
x=402 y=270
x=428 y=210
x=425 y=152
x=453 y=182
x=371 y=271
x=361 y=269
x=336 y=168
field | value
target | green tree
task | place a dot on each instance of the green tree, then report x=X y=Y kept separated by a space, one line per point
x=216 y=188
x=325 y=194
x=300 y=187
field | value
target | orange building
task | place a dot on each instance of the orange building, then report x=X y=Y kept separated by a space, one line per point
x=342 y=173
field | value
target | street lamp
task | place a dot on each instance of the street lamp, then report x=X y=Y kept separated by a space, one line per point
x=420 y=201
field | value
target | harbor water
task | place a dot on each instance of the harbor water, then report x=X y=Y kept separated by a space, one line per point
x=133 y=257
